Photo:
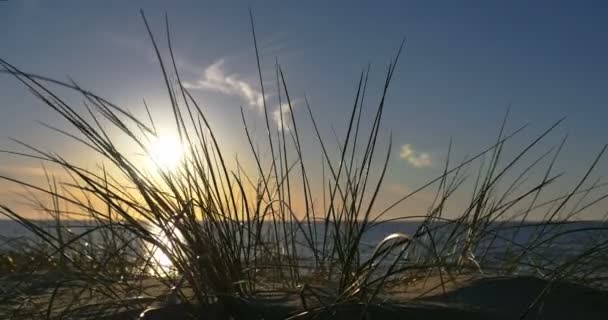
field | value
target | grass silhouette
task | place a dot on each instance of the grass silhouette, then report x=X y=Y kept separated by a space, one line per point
x=234 y=237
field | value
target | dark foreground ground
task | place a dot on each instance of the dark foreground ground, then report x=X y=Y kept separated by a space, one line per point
x=464 y=298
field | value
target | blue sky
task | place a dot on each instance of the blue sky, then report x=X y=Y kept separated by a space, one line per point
x=464 y=63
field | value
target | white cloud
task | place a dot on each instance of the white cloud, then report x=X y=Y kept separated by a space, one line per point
x=415 y=158
x=214 y=78
x=281 y=117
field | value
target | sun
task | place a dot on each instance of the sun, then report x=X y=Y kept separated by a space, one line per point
x=166 y=152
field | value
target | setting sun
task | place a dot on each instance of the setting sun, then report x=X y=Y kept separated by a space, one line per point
x=166 y=152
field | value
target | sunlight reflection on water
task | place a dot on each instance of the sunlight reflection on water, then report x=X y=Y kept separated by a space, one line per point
x=160 y=264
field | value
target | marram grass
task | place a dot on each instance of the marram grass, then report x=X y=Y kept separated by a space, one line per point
x=230 y=233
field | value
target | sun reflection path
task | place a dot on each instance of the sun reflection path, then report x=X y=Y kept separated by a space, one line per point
x=160 y=263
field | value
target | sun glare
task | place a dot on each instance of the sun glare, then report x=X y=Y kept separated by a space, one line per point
x=166 y=152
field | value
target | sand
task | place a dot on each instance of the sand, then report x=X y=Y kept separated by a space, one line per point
x=528 y=298
x=464 y=297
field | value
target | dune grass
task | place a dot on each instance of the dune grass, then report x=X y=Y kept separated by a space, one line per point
x=229 y=232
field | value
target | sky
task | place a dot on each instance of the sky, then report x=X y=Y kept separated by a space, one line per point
x=464 y=63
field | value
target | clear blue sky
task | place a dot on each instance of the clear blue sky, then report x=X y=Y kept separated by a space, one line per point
x=464 y=63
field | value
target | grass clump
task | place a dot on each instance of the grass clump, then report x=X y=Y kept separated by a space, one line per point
x=233 y=235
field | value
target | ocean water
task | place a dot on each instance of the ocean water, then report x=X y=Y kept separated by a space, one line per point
x=551 y=243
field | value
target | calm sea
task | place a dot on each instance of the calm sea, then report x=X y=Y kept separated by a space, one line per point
x=553 y=242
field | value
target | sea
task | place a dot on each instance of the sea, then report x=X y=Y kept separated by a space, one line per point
x=540 y=244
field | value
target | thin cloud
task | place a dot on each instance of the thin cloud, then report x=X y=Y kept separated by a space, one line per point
x=214 y=78
x=19 y=171
x=415 y=158
x=398 y=189
x=281 y=117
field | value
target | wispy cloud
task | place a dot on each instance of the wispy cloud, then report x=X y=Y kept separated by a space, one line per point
x=415 y=158
x=215 y=78
x=281 y=117
x=398 y=189
x=19 y=171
